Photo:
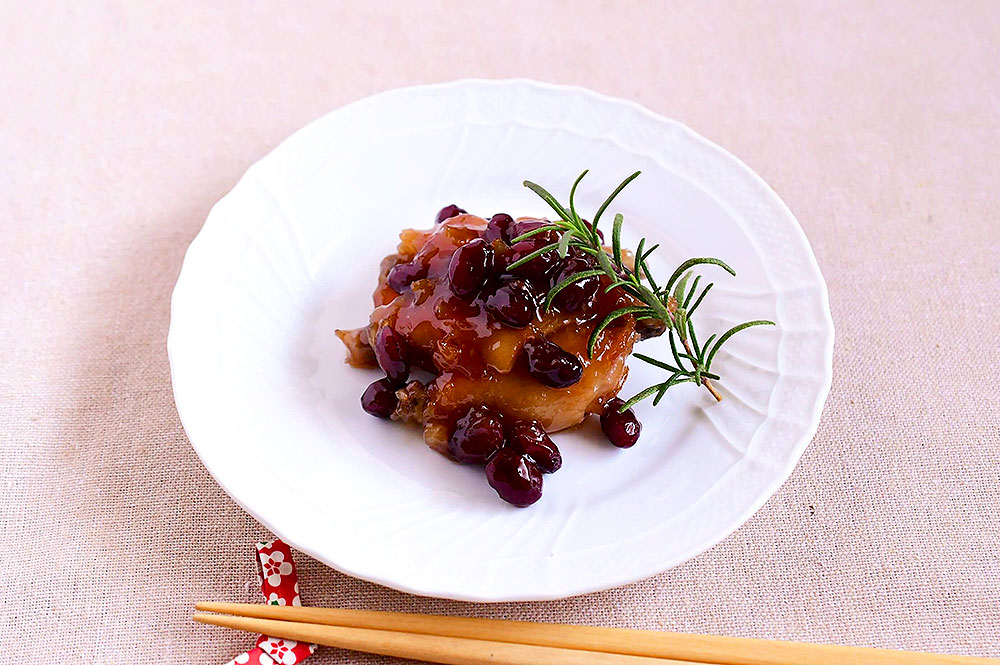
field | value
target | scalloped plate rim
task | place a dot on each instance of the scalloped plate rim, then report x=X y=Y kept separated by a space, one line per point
x=190 y=425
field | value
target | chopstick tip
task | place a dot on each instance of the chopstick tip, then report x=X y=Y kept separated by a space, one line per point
x=214 y=606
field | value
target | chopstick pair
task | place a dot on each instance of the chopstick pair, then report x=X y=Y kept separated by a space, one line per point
x=467 y=641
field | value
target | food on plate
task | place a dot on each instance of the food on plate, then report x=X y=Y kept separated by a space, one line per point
x=494 y=332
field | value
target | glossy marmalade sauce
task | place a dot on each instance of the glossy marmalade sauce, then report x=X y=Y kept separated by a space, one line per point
x=472 y=358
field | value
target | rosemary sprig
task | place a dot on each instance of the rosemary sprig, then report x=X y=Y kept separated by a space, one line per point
x=673 y=303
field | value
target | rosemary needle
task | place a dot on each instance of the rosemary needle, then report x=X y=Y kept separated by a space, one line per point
x=669 y=302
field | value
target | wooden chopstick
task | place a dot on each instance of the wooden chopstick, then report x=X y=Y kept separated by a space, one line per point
x=430 y=648
x=583 y=639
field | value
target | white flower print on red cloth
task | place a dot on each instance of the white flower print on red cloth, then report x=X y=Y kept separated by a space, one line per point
x=281 y=651
x=278 y=580
x=274 y=567
x=280 y=586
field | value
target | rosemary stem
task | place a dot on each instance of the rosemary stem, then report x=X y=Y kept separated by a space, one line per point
x=661 y=311
x=651 y=300
x=705 y=382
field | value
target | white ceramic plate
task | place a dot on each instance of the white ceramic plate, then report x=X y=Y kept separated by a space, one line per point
x=292 y=253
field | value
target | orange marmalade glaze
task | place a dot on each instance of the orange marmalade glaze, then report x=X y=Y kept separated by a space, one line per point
x=475 y=360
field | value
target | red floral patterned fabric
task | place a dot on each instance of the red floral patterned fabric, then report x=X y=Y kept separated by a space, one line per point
x=279 y=584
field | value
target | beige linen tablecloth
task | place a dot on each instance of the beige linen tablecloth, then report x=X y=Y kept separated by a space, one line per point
x=121 y=123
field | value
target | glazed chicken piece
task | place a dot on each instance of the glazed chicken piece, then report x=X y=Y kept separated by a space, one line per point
x=472 y=355
x=452 y=309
